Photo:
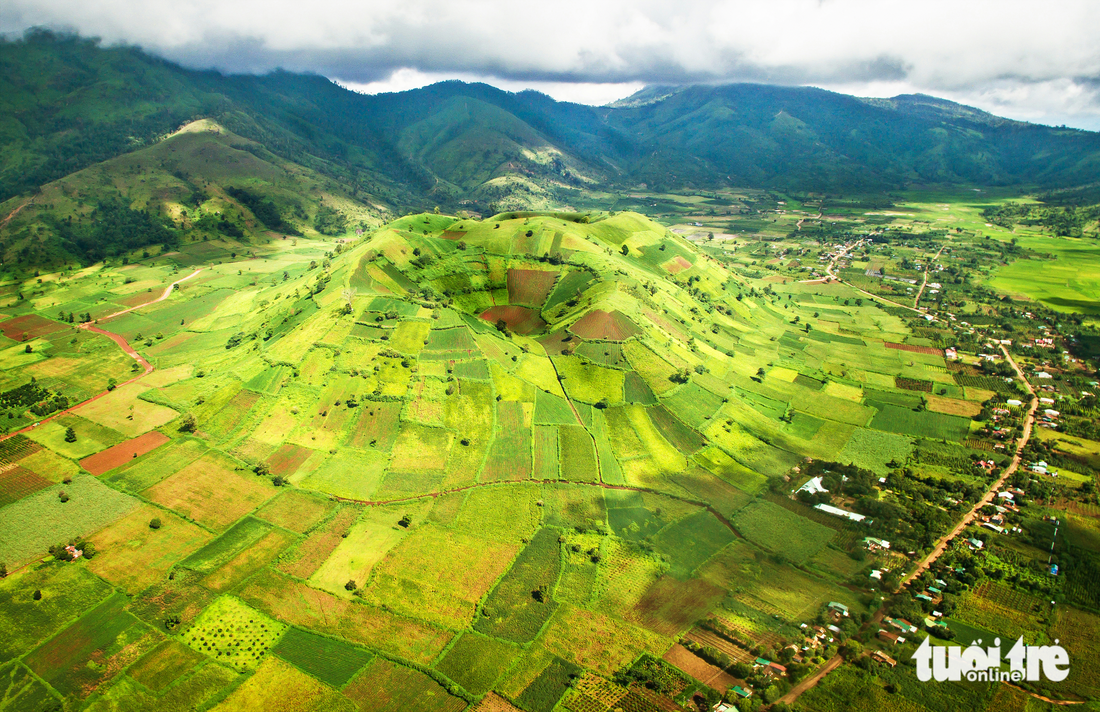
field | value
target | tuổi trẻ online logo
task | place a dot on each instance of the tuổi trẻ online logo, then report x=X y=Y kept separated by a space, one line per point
x=977 y=664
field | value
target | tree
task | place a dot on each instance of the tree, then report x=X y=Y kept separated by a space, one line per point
x=70 y=435
x=351 y=585
x=262 y=469
x=625 y=249
x=851 y=649
x=155 y=523
x=38 y=594
x=28 y=349
x=3 y=569
x=189 y=424
x=405 y=521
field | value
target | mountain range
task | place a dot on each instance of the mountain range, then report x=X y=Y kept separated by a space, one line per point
x=68 y=103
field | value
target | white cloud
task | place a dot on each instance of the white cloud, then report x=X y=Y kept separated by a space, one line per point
x=1026 y=57
x=592 y=93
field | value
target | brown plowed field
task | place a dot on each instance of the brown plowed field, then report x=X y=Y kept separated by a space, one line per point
x=122 y=453
x=609 y=326
x=32 y=325
x=530 y=286
x=914 y=349
x=700 y=669
x=521 y=320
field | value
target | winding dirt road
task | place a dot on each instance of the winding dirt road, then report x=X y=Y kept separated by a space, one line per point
x=122 y=343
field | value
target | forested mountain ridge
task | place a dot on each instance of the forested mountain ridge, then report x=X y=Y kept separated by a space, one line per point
x=67 y=103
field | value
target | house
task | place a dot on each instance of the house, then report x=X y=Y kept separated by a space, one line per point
x=838 y=512
x=777 y=668
x=813 y=486
x=876 y=574
x=975 y=543
x=741 y=692
x=1014 y=402
x=994 y=527
x=839 y=608
x=883 y=658
x=887 y=636
x=901 y=624
x=871 y=543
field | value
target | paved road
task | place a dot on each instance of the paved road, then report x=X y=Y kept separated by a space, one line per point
x=123 y=344
x=941 y=545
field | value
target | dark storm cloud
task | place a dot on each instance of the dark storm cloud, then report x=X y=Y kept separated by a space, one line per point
x=1028 y=58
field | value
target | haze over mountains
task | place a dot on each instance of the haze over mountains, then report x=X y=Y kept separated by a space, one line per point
x=67 y=103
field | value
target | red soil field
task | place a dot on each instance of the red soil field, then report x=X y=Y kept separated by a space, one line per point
x=519 y=319
x=32 y=325
x=453 y=235
x=609 y=326
x=676 y=265
x=122 y=453
x=530 y=286
x=17 y=482
x=287 y=459
x=913 y=349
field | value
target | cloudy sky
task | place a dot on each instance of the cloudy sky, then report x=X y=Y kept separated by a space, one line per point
x=1036 y=61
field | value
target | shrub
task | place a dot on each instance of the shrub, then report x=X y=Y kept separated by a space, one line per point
x=155 y=523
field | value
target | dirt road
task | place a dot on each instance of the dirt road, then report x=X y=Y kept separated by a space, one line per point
x=122 y=343
x=941 y=545
x=916 y=300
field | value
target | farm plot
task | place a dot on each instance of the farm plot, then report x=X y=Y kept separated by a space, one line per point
x=124 y=411
x=352 y=475
x=90 y=437
x=364 y=545
x=329 y=660
x=476 y=662
x=20 y=690
x=530 y=287
x=123 y=453
x=278 y=687
x=693 y=405
x=923 y=424
x=388 y=687
x=521 y=320
x=577 y=457
x=67 y=591
x=211 y=492
x=377 y=425
x=131 y=539
x=296 y=510
x=233 y=633
x=691 y=541
x=93 y=649
x=160 y=463
x=597 y=642
x=699 y=669
x=873 y=449
x=165 y=664
x=30 y=526
x=671 y=606
x=606 y=326
x=419 y=448
x=17 y=482
x=514 y=612
x=782 y=532
x=305 y=558
x=438 y=576
x=298 y=604
x=589 y=383
x=1002 y=609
